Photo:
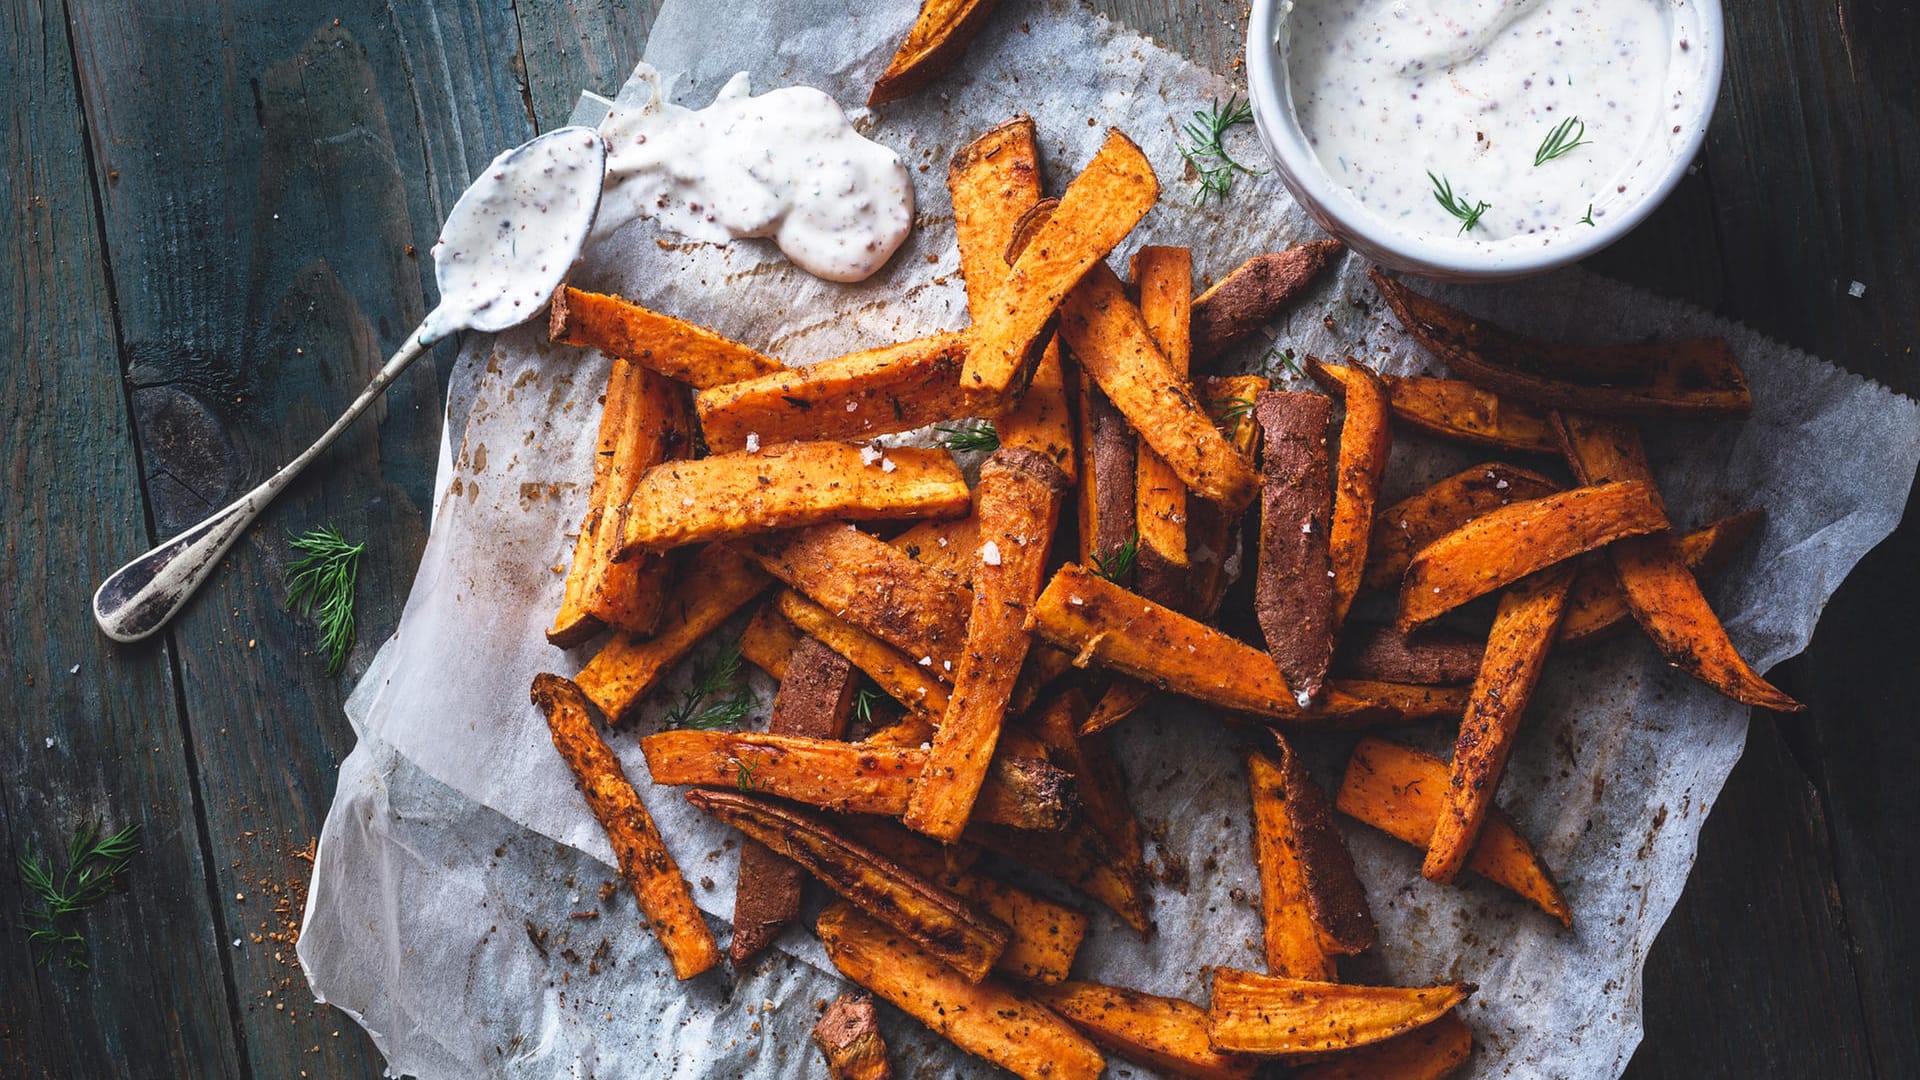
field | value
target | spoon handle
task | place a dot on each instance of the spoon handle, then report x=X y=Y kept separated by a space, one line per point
x=140 y=597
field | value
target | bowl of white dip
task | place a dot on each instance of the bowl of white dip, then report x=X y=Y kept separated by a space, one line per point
x=1478 y=140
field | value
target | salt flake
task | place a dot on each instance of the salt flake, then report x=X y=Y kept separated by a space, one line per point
x=990 y=553
x=887 y=465
x=1857 y=290
x=869 y=455
x=753 y=442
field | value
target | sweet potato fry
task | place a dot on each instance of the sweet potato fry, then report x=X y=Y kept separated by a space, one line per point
x=1099 y=208
x=1165 y=1034
x=913 y=729
x=769 y=640
x=1433 y=657
x=1523 y=629
x=1045 y=665
x=1255 y=292
x=673 y=347
x=1366 y=438
x=1293 y=592
x=1597 y=606
x=1113 y=345
x=1098 y=781
x=906 y=682
x=1164 y=278
x=873 y=586
x=645 y=862
x=1122 y=698
x=1078 y=856
x=1662 y=593
x=1020 y=493
x=788 y=486
x=939 y=36
x=1505 y=545
x=814 y=698
x=951 y=546
x=1420 y=519
x=1400 y=791
x=1213 y=531
x=1463 y=412
x=987 y=1019
x=1104 y=501
x=1428 y=1053
x=857 y=396
x=713 y=585
x=1697 y=378
x=848 y=1036
x=1269 y=1014
x=1026 y=793
x=936 y=920
x=1310 y=898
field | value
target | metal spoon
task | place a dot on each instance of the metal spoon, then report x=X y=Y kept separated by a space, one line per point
x=503 y=252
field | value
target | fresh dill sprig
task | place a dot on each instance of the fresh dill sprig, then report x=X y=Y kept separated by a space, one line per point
x=1588 y=220
x=94 y=863
x=744 y=778
x=1561 y=141
x=1118 y=567
x=1204 y=146
x=864 y=699
x=983 y=437
x=321 y=586
x=719 y=675
x=1285 y=356
x=1228 y=409
x=1443 y=194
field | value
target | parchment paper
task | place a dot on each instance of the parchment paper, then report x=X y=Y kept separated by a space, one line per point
x=457 y=839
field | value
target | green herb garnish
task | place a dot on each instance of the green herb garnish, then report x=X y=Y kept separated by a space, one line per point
x=1227 y=410
x=1285 y=356
x=719 y=677
x=1561 y=141
x=1443 y=194
x=983 y=437
x=94 y=863
x=1204 y=146
x=1118 y=567
x=321 y=587
x=864 y=699
x=744 y=780
x=1588 y=220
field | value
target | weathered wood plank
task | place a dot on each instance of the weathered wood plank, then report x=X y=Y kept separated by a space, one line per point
x=91 y=732
x=575 y=45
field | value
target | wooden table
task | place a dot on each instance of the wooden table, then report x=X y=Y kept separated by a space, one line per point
x=214 y=224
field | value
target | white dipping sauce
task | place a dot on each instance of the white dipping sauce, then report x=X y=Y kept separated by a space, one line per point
x=515 y=232
x=1387 y=91
x=785 y=165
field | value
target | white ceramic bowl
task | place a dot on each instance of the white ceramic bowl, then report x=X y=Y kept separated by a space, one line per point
x=1340 y=214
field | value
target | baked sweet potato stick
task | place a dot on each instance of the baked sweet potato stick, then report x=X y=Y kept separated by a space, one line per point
x=1020 y=493
x=1697 y=378
x=848 y=1036
x=1165 y=1034
x=673 y=347
x=1400 y=791
x=1524 y=628
x=1104 y=503
x=857 y=396
x=1164 y=278
x=938 y=38
x=1294 y=586
x=1463 y=412
x=1310 y=898
x=1419 y=519
x=1502 y=546
x=1662 y=593
x=631 y=595
x=1269 y=1014
x=788 y=486
x=1078 y=856
x=936 y=920
x=769 y=640
x=1213 y=531
x=1098 y=781
x=1428 y=1053
x=1597 y=606
x=1366 y=438
x=713 y=585
x=1096 y=212
x=906 y=682
x=986 y=1019
x=1255 y=292
x=814 y=698
x=873 y=586
x=951 y=546
x=573 y=624
x=1433 y=657
x=644 y=860
x=1114 y=347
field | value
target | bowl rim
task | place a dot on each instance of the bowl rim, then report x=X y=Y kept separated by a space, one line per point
x=1270 y=93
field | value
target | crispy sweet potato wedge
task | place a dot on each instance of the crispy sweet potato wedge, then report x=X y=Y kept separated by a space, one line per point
x=1310 y=897
x=1697 y=378
x=788 y=486
x=1097 y=211
x=1597 y=606
x=1433 y=657
x=857 y=396
x=937 y=921
x=1026 y=792
x=1463 y=412
x=1122 y=698
x=1293 y=592
x=906 y=682
x=1420 y=519
x=1045 y=665
x=1213 y=531
x=1255 y=292
x=951 y=546
x=873 y=586
x=1662 y=593
x=1163 y=277
x=1524 y=629
x=986 y=1019
x=1020 y=493
x=1505 y=545
x=1108 y=453
x=645 y=862
x=848 y=1036
x=1428 y=1053
x=1366 y=438
x=1098 y=781
x=714 y=584
x=938 y=38
x=913 y=729
x=1078 y=856
x=1165 y=1034
x=673 y=347
x=769 y=640
x=1400 y=791
x=1269 y=1014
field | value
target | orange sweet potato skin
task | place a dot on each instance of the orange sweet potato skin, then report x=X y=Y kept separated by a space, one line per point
x=848 y=1036
x=1463 y=412
x=1161 y=1033
x=1268 y=1014
x=1163 y=276
x=1293 y=945
x=938 y=38
x=1322 y=873
x=1255 y=292
x=1404 y=528
x=1433 y=657
x=1294 y=589
x=674 y=348
x=1597 y=606
x=1366 y=438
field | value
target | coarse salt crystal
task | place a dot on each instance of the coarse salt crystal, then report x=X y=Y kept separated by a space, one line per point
x=926 y=661
x=74 y=670
x=1306 y=526
x=948 y=664
x=753 y=442
x=1498 y=485
x=869 y=455
x=686 y=500
x=49 y=742
x=1071 y=599
x=1305 y=699
x=1857 y=290
x=852 y=406
x=887 y=465
x=990 y=553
